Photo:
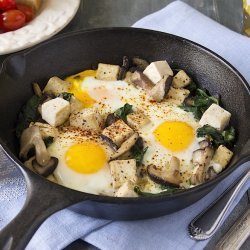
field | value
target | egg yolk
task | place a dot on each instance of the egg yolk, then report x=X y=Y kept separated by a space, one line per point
x=76 y=87
x=86 y=158
x=174 y=135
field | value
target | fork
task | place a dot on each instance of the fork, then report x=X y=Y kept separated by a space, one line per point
x=207 y=222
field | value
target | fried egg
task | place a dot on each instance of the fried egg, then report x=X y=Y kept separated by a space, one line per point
x=82 y=161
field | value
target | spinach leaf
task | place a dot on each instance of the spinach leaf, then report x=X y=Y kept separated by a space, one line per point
x=201 y=101
x=226 y=137
x=146 y=194
x=191 y=87
x=66 y=96
x=29 y=113
x=138 y=153
x=124 y=111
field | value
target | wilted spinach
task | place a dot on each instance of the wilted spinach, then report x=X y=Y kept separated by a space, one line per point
x=227 y=137
x=199 y=103
x=124 y=111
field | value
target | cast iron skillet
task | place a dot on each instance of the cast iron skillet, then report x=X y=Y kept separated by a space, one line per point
x=71 y=53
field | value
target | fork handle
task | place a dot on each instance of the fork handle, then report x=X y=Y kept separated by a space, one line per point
x=237 y=234
x=206 y=223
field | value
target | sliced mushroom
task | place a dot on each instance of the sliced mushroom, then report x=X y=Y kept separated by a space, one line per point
x=110 y=143
x=210 y=174
x=201 y=159
x=124 y=68
x=205 y=143
x=47 y=170
x=203 y=156
x=169 y=175
x=141 y=64
x=31 y=137
x=126 y=146
x=111 y=118
x=140 y=80
x=46 y=130
x=37 y=90
x=160 y=90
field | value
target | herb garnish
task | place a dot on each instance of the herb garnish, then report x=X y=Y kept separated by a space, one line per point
x=66 y=96
x=124 y=111
x=226 y=137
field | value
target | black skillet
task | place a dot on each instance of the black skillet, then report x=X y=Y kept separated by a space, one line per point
x=71 y=53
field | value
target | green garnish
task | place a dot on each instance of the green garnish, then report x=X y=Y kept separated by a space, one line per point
x=226 y=137
x=138 y=153
x=66 y=96
x=29 y=113
x=124 y=111
x=146 y=194
x=200 y=102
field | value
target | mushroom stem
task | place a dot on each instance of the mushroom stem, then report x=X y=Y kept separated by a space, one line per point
x=31 y=137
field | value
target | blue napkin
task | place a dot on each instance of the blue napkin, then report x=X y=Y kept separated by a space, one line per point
x=167 y=232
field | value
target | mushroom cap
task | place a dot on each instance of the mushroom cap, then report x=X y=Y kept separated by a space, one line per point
x=168 y=176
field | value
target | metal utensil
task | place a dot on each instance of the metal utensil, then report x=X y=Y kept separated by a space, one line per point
x=207 y=222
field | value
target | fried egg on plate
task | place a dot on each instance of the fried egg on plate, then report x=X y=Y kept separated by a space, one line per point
x=171 y=132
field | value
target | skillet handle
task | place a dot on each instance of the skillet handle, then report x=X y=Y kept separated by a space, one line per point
x=43 y=199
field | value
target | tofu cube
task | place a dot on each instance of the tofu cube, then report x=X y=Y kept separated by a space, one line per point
x=75 y=104
x=155 y=71
x=137 y=120
x=126 y=190
x=56 y=111
x=216 y=117
x=107 y=72
x=177 y=96
x=222 y=156
x=86 y=119
x=181 y=80
x=122 y=171
x=56 y=86
x=118 y=132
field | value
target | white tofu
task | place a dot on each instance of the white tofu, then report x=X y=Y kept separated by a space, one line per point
x=118 y=132
x=155 y=71
x=126 y=190
x=75 y=104
x=86 y=119
x=122 y=171
x=177 y=96
x=181 y=79
x=56 y=86
x=137 y=120
x=56 y=111
x=216 y=117
x=222 y=157
x=107 y=72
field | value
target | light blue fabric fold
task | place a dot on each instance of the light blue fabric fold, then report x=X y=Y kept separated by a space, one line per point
x=167 y=232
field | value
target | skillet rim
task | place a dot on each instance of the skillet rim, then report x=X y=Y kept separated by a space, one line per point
x=28 y=174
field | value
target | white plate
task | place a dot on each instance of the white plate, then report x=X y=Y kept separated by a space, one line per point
x=53 y=16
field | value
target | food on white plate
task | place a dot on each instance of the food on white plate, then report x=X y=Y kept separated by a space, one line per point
x=14 y=14
x=135 y=129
